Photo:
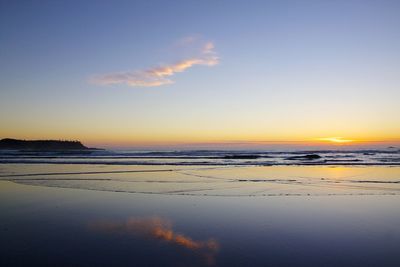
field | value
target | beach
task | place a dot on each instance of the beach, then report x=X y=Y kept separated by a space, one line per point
x=169 y=215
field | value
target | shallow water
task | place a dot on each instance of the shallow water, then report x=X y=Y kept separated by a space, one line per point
x=143 y=215
x=212 y=181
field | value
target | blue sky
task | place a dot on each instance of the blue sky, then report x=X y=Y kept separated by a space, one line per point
x=287 y=70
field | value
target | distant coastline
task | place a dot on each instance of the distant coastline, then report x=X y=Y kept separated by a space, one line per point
x=42 y=145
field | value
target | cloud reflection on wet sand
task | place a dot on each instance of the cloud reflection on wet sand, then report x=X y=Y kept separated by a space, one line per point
x=158 y=228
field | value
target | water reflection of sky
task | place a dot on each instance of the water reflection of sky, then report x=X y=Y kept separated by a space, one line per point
x=159 y=229
x=213 y=181
x=43 y=226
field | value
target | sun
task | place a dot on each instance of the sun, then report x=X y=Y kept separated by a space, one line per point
x=335 y=140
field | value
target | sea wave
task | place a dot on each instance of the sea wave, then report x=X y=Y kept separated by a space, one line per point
x=207 y=157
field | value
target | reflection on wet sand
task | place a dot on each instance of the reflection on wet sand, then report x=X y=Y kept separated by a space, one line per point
x=43 y=226
x=158 y=228
x=231 y=181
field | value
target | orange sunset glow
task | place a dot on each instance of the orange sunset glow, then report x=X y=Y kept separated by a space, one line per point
x=335 y=140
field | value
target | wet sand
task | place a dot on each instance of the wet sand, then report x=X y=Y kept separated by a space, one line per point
x=305 y=221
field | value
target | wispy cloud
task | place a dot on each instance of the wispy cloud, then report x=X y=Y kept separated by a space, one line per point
x=161 y=75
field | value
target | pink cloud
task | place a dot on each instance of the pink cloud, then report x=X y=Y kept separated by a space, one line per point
x=161 y=75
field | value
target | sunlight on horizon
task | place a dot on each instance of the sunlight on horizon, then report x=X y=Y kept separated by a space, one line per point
x=336 y=140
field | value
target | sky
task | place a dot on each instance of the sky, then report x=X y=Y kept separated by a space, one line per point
x=187 y=73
